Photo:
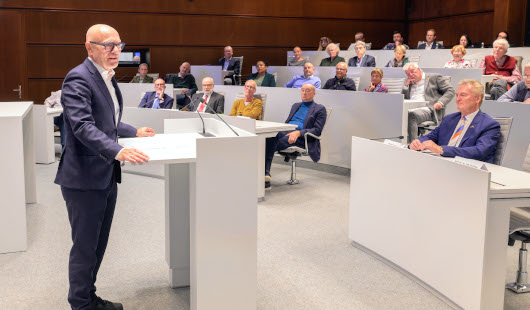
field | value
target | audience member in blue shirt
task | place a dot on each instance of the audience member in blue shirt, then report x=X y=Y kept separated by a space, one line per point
x=307 y=78
x=520 y=92
x=309 y=117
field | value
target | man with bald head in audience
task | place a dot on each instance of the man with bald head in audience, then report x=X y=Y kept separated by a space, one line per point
x=142 y=76
x=469 y=133
x=299 y=80
x=309 y=117
x=186 y=81
x=340 y=81
x=228 y=63
x=89 y=169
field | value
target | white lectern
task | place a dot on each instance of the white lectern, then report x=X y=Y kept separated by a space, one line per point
x=211 y=210
x=17 y=185
x=442 y=223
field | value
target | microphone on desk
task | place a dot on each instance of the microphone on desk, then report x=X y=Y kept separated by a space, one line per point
x=126 y=75
x=389 y=138
x=195 y=100
x=208 y=107
x=204 y=133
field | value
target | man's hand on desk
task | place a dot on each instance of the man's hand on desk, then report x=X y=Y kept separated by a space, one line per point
x=293 y=135
x=415 y=145
x=133 y=155
x=438 y=106
x=145 y=132
x=433 y=147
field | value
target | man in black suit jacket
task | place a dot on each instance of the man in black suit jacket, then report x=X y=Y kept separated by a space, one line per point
x=214 y=101
x=361 y=60
x=228 y=63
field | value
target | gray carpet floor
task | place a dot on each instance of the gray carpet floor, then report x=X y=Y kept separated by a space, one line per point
x=305 y=260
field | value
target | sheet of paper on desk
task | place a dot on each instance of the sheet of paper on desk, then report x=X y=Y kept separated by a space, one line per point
x=164 y=146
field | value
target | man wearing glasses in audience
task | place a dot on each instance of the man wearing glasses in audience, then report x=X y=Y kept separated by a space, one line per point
x=157 y=99
x=209 y=101
x=90 y=169
x=142 y=77
x=340 y=81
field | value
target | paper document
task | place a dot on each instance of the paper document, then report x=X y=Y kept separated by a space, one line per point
x=164 y=146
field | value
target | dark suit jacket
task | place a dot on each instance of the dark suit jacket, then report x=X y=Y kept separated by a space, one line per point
x=268 y=79
x=435 y=45
x=147 y=79
x=368 y=61
x=313 y=123
x=216 y=102
x=479 y=141
x=232 y=66
x=437 y=88
x=87 y=162
x=149 y=99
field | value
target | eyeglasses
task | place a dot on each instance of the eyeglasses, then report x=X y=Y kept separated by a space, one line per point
x=109 y=47
x=341 y=69
x=160 y=85
x=250 y=87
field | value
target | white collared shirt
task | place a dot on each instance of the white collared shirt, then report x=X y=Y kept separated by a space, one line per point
x=427 y=46
x=105 y=75
x=417 y=90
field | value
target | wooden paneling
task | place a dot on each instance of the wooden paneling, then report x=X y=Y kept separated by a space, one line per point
x=425 y=9
x=449 y=29
x=191 y=30
x=39 y=90
x=333 y=9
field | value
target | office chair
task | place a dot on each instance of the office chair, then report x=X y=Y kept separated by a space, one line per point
x=394 y=85
x=238 y=76
x=520 y=230
x=506 y=126
x=293 y=152
x=428 y=126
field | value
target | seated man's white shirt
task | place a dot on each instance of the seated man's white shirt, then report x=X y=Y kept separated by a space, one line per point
x=417 y=90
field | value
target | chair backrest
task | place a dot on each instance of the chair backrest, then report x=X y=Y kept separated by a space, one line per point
x=519 y=62
x=420 y=42
x=506 y=125
x=240 y=68
x=526 y=163
x=474 y=62
x=356 y=80
x=394 y=85
x=368 y=46
x=142 y=95
x=415 y=59
x=275 y=74
x=260 y=96
x=440 y=42
x=177 y=91
x=328 y=113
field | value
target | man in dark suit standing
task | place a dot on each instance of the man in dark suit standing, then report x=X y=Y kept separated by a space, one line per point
x=469 y=133
x=89 y=169
x=228 y=63
x=157 y=99
x=208 y=101
x=309 y=116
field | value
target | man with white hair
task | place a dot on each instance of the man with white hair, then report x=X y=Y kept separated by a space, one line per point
x=333 y=51
x=209 y=101
x=433 y=88
x=309 y=117
x=469 y=133
x=520 y=92
x=500 y=64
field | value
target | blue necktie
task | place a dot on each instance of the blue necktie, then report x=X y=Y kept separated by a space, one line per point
x=156 y=103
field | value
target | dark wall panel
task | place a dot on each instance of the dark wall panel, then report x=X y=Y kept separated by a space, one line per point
x=426 y=9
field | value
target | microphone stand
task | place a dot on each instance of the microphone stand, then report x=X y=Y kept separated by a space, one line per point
x=204 y=133
x=208 y=107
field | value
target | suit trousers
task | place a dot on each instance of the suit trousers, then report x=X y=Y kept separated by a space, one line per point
x=279 y=143
x=416 y=117
x=90 y=214
x=498 y=88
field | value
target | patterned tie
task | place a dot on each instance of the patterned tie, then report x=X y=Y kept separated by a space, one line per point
x=156 y=103
x=203 y=104
x=459 y=130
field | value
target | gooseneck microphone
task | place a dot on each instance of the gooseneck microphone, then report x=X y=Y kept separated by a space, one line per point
x=204 y=133
x=209 y=107
x=389 y=138
x=126 y=75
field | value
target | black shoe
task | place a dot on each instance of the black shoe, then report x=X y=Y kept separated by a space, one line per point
x=100 y=304
x=267 y=186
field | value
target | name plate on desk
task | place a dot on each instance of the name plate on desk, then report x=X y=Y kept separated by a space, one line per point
x=471 y=163
x=396 y=144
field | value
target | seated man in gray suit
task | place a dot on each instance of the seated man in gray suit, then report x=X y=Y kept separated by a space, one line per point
x=142 y=77
x=433 y=88
x=209 y=101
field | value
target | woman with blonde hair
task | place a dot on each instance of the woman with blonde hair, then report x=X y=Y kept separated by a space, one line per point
x=458 y=62
x=399 y=57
